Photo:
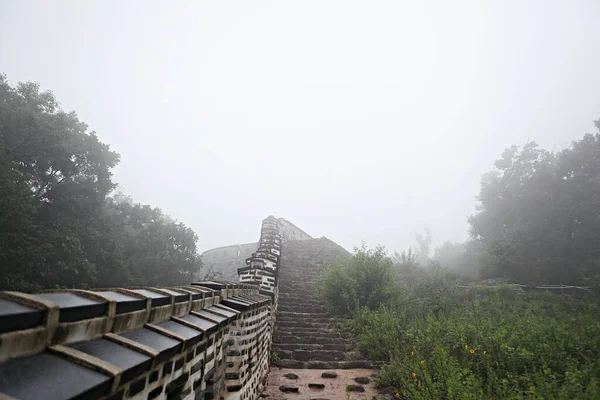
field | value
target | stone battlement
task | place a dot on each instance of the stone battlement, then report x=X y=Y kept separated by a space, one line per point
x=206 y=340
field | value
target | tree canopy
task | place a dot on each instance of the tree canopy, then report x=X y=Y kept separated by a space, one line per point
x=538 y=217
x=59 y=226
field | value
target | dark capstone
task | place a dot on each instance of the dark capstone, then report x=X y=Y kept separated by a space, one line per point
x=137 y=387
x=363 y=380
x=155 y=393
x=329 y=374
x=166 y=346
x=56 y=376
x=125 y=303
x=207 y=326
x=316 y=385
x=291 y=376
x=158 y=299
x=355 y=388
x=15 y=316
x=153 y=376
x=289 y=389
x=132 y=363
x=232 y=375
x=263 y=395
x=74 y=307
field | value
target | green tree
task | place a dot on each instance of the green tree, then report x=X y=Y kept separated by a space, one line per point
x=538 y=219
x=58 y=225
x=54 y=176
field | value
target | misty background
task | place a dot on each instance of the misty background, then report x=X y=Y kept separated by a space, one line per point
x=354 y=120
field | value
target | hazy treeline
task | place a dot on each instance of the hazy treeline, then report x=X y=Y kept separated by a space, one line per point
x=537 y=219
x=59 y=224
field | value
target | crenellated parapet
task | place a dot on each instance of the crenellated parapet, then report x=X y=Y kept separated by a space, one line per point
x=207 y=340
x=263 y=265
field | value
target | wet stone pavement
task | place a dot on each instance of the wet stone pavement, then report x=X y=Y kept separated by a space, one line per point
x=312 y=384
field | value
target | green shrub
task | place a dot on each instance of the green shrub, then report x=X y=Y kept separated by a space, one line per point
x=365 y=279
x=441 y=341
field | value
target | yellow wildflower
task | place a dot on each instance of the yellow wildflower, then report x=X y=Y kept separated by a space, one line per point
x=397 y=395
x=484 y=352
x=466 y=347
x=472 y=351
x=414 y=374
x=412 y=353
x=422 y=362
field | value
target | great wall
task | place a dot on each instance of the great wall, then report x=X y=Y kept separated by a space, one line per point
x=266 y=336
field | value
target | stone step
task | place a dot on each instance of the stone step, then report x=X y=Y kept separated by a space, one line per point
x=287 y=325
x=311 y=332
x=303 y=298
x=310 y=317
x=285 y=306
x=308 y=285
x=318 y=355
x=300 y=302
x=295 y=316
x=307 y=339
x=304 y=310
x=354 y=364
x=296 y=346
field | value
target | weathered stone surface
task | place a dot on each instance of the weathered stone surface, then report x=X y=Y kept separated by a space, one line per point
x=302 y=355
x=316 y=385
x=363 y=380
x=291 y=376
x=355 y=388
x=329 y=374
x=287 y=363
x=289 y=389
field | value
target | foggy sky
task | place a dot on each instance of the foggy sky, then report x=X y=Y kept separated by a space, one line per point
x=364 y=120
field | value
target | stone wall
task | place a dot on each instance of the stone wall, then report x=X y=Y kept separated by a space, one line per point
x=203 y=341
x=228 y=259
x=290 y=231
x=208 y=340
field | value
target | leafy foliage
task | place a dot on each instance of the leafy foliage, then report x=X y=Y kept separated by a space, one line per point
x=439 y=341
x=58 y=225
x=365 y=279
x=538 y=218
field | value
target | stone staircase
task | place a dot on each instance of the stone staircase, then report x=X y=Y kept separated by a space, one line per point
x=305 y=336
